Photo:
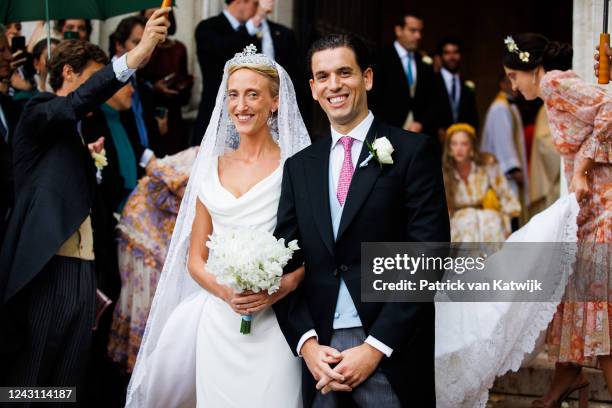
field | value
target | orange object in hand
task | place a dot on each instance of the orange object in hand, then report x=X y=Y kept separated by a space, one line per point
x=604 y=61
x=166 y=3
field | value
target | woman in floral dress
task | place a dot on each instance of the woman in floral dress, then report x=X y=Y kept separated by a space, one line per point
x=580 y=117
x=481 y=203
x=145 y=230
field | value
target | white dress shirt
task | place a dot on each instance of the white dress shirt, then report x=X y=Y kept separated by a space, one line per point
x=403 y=55
x=448 y=81
x=336 y=159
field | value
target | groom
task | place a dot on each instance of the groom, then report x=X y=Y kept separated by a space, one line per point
x=357 y=353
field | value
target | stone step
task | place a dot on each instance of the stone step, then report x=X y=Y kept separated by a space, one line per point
x=517 y=401
x=534 y=378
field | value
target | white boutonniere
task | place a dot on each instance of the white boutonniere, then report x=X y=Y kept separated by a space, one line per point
x=381 y=150
x=100 y=162
x=470 y=84
x=427 y=60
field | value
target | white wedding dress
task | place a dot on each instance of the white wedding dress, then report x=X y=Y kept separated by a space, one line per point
x=233 y=369
x=476 y=342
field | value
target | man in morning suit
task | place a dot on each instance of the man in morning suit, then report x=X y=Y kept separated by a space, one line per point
x=382 y=354
x=47 y=274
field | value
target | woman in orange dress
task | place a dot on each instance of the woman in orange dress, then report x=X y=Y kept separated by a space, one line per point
x=580 y=118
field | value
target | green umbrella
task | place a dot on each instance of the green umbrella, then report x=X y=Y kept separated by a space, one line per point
x=31 y=10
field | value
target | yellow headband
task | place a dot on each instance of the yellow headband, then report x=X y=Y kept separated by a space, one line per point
x=461 y=127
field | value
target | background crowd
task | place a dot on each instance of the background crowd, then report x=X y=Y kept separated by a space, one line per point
x=499 y=169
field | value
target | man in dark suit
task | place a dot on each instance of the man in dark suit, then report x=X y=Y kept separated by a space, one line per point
x=218 y=39
x=9 y=115
x=383 y=352
x=47 y=274
x=278 y=42
x=455 y=98
x=403 y=88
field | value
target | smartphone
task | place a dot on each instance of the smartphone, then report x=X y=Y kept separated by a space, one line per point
x=18 y=43
x=71 y=35
x=160 y=112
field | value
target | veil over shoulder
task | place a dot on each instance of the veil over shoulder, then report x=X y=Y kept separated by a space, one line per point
x=165 y=370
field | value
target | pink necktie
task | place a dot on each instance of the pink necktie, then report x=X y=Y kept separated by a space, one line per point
x=347 y=170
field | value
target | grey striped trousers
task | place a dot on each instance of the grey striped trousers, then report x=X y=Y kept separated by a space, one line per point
x=54 y=316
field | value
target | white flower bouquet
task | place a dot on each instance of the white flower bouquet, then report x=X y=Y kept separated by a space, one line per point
x=248 y=260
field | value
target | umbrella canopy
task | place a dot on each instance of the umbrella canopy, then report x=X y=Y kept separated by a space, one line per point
x=32 y=10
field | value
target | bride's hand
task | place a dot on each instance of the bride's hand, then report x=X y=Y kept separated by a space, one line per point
x=231 y=298
x=247 y=303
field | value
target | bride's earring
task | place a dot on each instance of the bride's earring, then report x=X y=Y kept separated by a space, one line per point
x=534 y=77
x=271 y=119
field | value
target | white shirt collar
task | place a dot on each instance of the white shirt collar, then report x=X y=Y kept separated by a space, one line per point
x=233 y=20
x=359 y=132
x=401 y=51
x=448 y=76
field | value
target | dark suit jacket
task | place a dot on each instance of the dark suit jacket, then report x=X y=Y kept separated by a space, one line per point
x=7 y=196
x=216 y=43
x=54 y=179
x=402 y=202
x=391 y=95
x=468 y=112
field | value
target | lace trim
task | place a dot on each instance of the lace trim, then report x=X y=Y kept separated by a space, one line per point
x=470 y=388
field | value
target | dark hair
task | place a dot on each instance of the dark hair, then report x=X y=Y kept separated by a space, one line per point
x=400 y=20
x=123 y=31
x=76 y=53
x=88 y=28
x=351 y=41
x=171 y=19
x=550 y=54
x=41 y=47
x=228 y=1
x=446 y=41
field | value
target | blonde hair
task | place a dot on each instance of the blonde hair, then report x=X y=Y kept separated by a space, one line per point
x=448 y=162
x=264 y=70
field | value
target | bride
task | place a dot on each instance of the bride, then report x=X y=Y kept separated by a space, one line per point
x=193 y=353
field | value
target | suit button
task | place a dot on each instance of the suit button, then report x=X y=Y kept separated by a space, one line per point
x=343 y=268
x=335 y=272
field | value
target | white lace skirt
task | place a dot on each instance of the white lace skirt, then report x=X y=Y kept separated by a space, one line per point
x=476 y=342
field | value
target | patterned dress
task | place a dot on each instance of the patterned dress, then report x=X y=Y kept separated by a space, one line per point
x=470 y=221
x=580 y=116
x=144 y=234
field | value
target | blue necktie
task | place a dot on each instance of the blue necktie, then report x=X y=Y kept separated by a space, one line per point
x=454 y=101
x=140 y=124
x=409 y=71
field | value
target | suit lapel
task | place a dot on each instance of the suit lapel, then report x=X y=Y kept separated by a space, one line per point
x=361 y=183
x=317 y=181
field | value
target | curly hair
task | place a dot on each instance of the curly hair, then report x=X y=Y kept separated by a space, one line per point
x=75 y=53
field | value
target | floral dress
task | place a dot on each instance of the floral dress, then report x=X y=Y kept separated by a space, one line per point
x=580 y=116
x=144 y=234
x=470 y=221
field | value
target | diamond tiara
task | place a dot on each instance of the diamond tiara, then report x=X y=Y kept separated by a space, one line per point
x=250 y=56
